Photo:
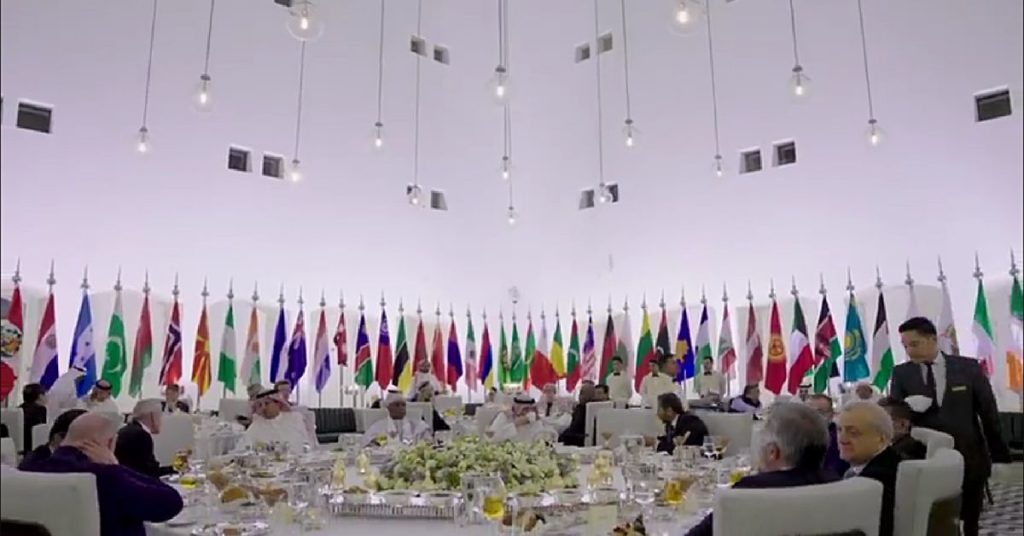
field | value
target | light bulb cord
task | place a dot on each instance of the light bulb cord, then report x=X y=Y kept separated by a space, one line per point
x=298 y=107
x=380 y=64
x=792 y=27
x=625 y=61
x=503 y=36
x=864 y=51
x=209 y=40
x=149 y=66
x=416 y=122
x=600 y=106
x=714 y=85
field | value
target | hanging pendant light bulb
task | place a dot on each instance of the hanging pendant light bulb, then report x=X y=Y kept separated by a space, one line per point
x=499 y=85
x=512 y=215
x=799 y=82
x=202 y=101
x=875 y=134
x=506 y=167
x=295 y=173
x=304 y=22
x=413 y=193
x=630 y=131
x=378 y=135
x=719 y=167
x=142 y=143
x=685 y=14
x=603 y=196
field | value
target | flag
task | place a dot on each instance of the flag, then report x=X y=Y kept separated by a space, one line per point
x=341 y=340
x=644 y=351
x=503 y=364
x=517 y=368
x=297 y=351
x=703 y=338
x=472 y=373
x=624 y=344
x=558 y=351
x=881 y=349
x=437 y=354
x=982 y=329
x=402 y=375
x=454 y=357
x=542 y=372
x=364 y=367
x=589 y=353
x=44 y=361
x=726 y=350
x=1015 y=353
x=384 y=358
x=800 y=346
x=83 y=354
x=251 y=362
x=487 y=372
x=775 y=371
x=277 y=356
x=116 y=362
x=684 y=350
x=170 y=371
x=855 y=363
x=947 y=329
x=14 y=329
x=201 y=355
x=142 y=353
x=573 y=370
x=663 y=342
x=755 y=352
x=227 y=372
x=528 y=355
x=610 y=345
x=826 y=348
x=420 y=352
x=321 y=354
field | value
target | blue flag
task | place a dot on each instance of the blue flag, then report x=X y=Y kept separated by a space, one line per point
x=280 y=338
x=855 y=362
x=83 y=355
x=684 y=350
x=297 y=352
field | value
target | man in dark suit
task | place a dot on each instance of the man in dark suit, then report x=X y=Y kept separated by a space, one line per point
x=833 y=462
x=127 y=499
x=33 y=406
x=902 y=422
x=576 y=433
x=678 y=423
x=865 y=435
x=952 y=394
x=135 y=440
x=793 y=445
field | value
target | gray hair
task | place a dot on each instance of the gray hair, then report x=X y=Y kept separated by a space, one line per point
x=147 y=406
x=877 y=416
x=795 y=428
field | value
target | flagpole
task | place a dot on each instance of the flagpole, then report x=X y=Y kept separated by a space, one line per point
x=341 y=366
x=746 y=338
x=476 y=361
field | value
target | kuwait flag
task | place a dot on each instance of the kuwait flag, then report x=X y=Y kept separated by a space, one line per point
x=454 y=357
x=573 y=368
x=142 y=353
x=201 y=375
x=402 y=375
x=170 y=370
x=437 y=354
x=589 y=353
x=644 y=351
x=826 y=348
x=557 y=350
x=472 y=373
x=384 y=358
x=116 y=362
x=487 y=373
x=982 y=329
x=1015 y=352
x=364 y=367
x=15 y=324
x=881 y=349
x=609 y=349
x=541 y=370
x=855 y=365
x=800 y=346
x=726 y=349
x=321 y=353
x=277 y=356
x=775 y=372
x=227 y=371
x=755 y=353
x=251 y=361
x=684 y=350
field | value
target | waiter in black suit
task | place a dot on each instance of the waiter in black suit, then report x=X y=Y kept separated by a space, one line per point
x=951 y=394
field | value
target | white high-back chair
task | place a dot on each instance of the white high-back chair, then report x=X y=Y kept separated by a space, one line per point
x=620 y=422
x=849 y=505
x=444 y=403
x=422 y=410
x=8 y=452
x=737 y=427
x=592 y=411
x=485 y=416
x=14 y=419
x=934 y=440
x=365 y=417
x=41 y=434
x=922 y=483
x=229 y=409
x=176 y=434
x=64 y=503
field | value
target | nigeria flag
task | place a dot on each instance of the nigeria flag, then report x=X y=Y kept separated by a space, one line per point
x=227 y=370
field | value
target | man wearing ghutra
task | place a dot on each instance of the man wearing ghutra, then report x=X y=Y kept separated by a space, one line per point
x=397 y=426
x=521 y=423
x=274 y=422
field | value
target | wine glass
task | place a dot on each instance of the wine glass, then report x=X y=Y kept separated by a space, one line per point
x=721 y=445
x=677 y=484
x=607 y=436
x=708 y=447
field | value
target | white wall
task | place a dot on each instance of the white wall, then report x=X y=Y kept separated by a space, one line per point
x=941 y=185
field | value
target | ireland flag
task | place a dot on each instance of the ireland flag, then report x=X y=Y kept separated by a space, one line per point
x=855 y=363
x=116 y=362
x=226 y=368
x=1016 y=349
x=982 y=329
x=881 y=348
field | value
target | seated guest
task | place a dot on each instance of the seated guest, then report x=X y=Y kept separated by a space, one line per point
x=833 y=462
x=576 y=433
x=253 y=391
x=426 y=394
x=803 y=392
x=620 y=385
x=424 y=374
x=284 y=389
x=273 y=421
x=553 y=411
x=57 y=433
x=748 y=402
x=903 y=443
x=792 y=447
x=678 y=423
x=520 y=423
x=661 y=380
x=33 y=405
x=492 y=397
x=100 y=400
x=398 y=426
x=865 y=432
x=134 y=447
x=602 y=393
x=172 y=400
x=127 y=499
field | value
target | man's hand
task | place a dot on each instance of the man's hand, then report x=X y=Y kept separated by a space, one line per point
x=650 y=441
x=98 y=453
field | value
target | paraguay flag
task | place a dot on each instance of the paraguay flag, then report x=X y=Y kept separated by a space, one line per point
x=83 y=355
x=44 y=361
x=486 y=359
x=277 y=351
x=322 y=353
x=297 y=351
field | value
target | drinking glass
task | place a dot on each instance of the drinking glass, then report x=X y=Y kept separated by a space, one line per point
x=721 y=445
x=708 y=447
x=493 y=491
x=677 y=484
x=470 y=510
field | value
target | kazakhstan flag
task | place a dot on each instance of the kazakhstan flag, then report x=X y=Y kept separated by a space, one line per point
x=855 y=362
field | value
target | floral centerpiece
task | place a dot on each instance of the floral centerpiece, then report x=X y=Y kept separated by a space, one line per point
x=524 y=467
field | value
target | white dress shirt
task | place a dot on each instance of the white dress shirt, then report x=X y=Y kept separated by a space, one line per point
x=407 y=429
x=107 y=406
x=654 y=386
x=709 y=383
x=423 y=377
x=505 y=429
x=939 y=371
x=288 y=427
x=620 y=387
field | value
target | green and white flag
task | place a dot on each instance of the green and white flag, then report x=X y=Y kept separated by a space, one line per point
x=982 y=329
x=116 y=362
x=227 y=370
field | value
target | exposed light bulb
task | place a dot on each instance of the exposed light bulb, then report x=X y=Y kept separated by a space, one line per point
x=378 y=142
x=630 y=132
x=304 y=21
x=875 y=133
x=799 y=82
x=602 y=193
x=629 y=140
x=512 y=215
x=378 y=137
x=142 y=141
x=203 y=99
x=685 y=14
x=682 y=14
x=506 y=167
x=500 y=84
x=719 y=169
x=295 y=173
x=413 y=193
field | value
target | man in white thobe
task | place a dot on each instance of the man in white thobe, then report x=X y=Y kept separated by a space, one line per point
x=521 y=423
x=397 y=426
x=63 y=395
x=424 y=374
x=100 y=400
x=274 y=422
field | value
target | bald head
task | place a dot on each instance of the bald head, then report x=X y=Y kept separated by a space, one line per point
x=91 y=427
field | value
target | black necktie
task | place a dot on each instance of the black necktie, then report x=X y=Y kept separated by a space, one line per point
x=547 y=412
x=930 y=383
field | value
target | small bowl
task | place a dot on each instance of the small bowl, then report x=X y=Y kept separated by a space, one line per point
x=568 y=496
x=398 y=497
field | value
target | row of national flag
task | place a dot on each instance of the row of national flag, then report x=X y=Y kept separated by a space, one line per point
x=813 y=359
